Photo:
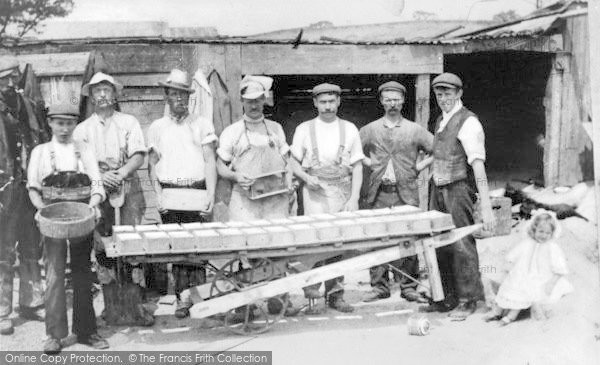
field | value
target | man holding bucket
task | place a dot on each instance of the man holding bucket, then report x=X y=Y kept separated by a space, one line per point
x=64 y=170
x=16 y=212
x=183 y=171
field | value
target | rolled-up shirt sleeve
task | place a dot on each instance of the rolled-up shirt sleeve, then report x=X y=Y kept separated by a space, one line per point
x=472 y=137
x=298 y=147
x=356 y=150
x=91 y=169
x=226 y=141
x=34 y=180
x=284 y=148
x=207 y=133
x=135 y=141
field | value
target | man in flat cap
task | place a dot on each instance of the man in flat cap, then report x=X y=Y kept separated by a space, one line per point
x=392 y=145
x=458 y=173
x=182 y=156
x=64 y=170
x=328 y=159
x=17 y=140
x=118 y=144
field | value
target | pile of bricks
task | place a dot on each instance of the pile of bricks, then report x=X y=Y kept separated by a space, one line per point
x=317 y=229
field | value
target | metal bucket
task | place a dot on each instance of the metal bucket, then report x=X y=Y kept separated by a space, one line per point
x=66 y=220
x=418 y=326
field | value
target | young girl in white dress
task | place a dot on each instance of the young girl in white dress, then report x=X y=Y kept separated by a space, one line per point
x=538 y=275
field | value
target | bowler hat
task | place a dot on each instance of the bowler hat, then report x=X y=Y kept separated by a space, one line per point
x=447 y=79
x=98 y=78
x=326 y=89
x=179 y=80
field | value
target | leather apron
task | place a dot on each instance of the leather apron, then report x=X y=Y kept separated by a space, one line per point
x=62 y=186
x=255 y=160
x=335 y=178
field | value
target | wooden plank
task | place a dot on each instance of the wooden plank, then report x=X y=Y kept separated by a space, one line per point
x=140 y=80
x=273 y=59
x=550 y=43
x=56 y=64
x=140 y=58
x=594 y=51
x=280 y=286
x=553 y=124
x=233 y=76
x=423 y=92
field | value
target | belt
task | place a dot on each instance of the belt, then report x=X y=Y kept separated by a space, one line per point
x=200 y=185
x=388 y=188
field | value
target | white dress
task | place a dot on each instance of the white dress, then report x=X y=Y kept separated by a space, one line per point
x=534 y=264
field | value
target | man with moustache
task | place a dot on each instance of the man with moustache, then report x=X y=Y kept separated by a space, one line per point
x=118 y=144
x=458 y=173
x=392 y=145
x=182 y=156
x=328 y=159
x=17 y=224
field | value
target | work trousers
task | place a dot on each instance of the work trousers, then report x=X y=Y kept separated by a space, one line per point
x=55 y=255
x=19 y=234
x=410 y=265
x=186 y=275
x=458 y=262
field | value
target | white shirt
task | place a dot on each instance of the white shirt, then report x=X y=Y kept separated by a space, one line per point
x=471 y=134
x=233 y=139
x=179 y=146
x=65 y=159
x=389 y=176
x=109 y=137
x=328 y=143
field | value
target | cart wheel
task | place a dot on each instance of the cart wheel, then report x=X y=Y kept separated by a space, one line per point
x=257 y=317
x=253 y=318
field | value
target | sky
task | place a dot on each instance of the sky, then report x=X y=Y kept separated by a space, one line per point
x=244 y=17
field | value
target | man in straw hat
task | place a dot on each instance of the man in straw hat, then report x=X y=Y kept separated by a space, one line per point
x=392 y=145
x=118 y=143
x=251 y=147
x=16 y=212
x=66 y=170
x=328 y=158
x=182 y=156
x=458 y=173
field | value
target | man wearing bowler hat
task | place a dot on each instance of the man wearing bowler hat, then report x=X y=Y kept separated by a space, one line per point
x=458 y=173
x=17 y=225
x=328 y=158
x=392 y=145
x=182 y=156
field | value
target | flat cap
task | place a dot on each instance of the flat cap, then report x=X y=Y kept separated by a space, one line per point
x=63 y=110
x=7 y=65
x=447 y=79
x=392 y=86
x=326 y=89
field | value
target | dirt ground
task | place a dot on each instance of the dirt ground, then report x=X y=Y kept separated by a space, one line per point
x=571 y=334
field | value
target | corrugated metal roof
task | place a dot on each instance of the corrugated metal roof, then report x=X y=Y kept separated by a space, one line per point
x=542 y=21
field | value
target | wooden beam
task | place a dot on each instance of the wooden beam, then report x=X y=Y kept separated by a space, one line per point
x=594 y=42
x=56 y=64
x=320 y=274
x=422 y=90
x=549 y=44
x=311 y=59
x=553 y=124
x=233 y=76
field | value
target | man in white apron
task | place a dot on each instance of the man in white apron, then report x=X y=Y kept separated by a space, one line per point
x=328 y=158
x=182 y=156
x=66 y=170
x=251 y=147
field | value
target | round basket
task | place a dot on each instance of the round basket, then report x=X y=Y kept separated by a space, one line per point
x=66 y=220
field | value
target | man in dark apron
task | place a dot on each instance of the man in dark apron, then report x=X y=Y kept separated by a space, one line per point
x=18 y=231
x=65 y=170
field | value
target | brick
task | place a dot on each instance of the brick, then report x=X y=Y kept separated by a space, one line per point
x=130 y=243
x=182 y=241
x=281 y=221
x=237 y=224
x=323 y=217
x=207 y=239
x=302 y=219
x=146 y=228
x=405 y=209
x=213 y=225
x=381 y=211
x=373 y=227
x=256 y=237
x=327 y=231
x=280 y=236
x=346 y=215
x=157 y=242
x=350 y=229
x=193 y=226
x=232 y=238
x=119 y=229
x=169 y=227
x=366 y=213
x=304 y=233
x=260 y=223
